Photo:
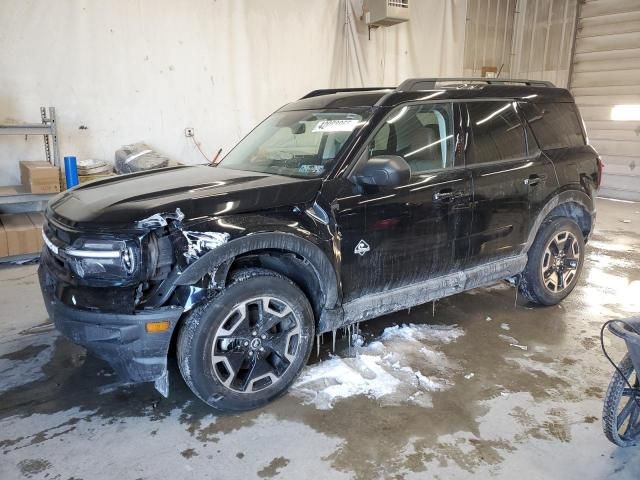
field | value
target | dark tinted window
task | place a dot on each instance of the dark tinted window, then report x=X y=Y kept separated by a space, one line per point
x=497 y=132
x=555 y=125
x=421 y=134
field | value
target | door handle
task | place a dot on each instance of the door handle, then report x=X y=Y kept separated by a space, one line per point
x=534 y=179
x=448 y=194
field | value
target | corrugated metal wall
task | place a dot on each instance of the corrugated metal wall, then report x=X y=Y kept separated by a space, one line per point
x=543 y=40
x=488 y=36
x=606 y=73
x=528 y=38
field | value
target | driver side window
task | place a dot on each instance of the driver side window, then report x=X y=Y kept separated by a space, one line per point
x=421 y=134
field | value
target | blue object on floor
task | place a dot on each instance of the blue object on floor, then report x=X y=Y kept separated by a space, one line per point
x=71 y=171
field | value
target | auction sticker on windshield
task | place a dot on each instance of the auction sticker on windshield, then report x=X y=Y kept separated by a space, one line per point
x=336 y=126
x=311 y=169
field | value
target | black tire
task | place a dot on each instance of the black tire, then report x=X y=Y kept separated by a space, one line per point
x=535 y=285
x=240 y=311
x=628 y=433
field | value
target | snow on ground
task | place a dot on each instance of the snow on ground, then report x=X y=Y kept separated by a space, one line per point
x=404 y=364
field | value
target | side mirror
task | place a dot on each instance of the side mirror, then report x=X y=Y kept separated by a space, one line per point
x=384 y=171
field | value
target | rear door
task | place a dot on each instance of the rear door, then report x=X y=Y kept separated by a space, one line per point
x=410 y=233
x=507 y=175
x=558 y=133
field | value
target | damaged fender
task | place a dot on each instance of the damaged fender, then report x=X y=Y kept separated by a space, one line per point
x=271 y=240
x=158 y=220
x=198 y=243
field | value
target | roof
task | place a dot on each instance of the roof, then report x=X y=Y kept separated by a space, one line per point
x=343 y=99
x=535 y=91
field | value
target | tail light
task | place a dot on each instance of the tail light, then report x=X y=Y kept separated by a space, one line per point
x=600 y=168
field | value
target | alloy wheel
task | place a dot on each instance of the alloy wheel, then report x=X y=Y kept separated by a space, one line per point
x=256 y=344
x=560 y=262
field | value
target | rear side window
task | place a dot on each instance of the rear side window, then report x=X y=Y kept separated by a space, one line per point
x=497 y=132
x=555 y=125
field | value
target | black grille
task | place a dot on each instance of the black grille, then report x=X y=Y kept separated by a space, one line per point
x=60 y=238
x=57 y=233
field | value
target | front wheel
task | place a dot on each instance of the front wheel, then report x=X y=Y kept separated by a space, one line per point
x=244 y=347
x=555 y=262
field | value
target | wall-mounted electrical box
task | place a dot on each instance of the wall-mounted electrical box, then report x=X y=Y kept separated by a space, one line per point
x=384 y=13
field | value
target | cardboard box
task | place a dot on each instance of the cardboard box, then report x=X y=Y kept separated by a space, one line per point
x=22 y=235
x=40 y=176
x=11 y=190
x=37 y=218
x=4 y=251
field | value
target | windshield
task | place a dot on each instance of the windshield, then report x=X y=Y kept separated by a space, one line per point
x=296 y=144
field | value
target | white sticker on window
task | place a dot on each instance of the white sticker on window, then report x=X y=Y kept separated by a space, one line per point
x=325 y=126
x=311 y=169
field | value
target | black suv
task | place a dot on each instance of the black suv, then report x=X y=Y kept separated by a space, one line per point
x=342 y=206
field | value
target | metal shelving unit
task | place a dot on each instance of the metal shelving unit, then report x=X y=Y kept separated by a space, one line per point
x=47 y=128
x=14 y=199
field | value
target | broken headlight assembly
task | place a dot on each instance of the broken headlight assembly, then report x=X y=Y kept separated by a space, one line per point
x=103 y=259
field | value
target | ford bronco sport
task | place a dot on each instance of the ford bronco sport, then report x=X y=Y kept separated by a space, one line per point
x=342 y=206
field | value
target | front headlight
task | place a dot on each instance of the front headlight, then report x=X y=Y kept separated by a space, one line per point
x=103 y=259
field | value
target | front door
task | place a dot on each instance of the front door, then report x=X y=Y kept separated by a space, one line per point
x=410 y=233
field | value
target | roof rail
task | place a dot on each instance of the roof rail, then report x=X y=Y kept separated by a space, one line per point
x=328 y=91
x=413 y=84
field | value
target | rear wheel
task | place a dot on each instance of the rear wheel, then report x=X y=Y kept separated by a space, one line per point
x=555 y=262
x=244 y=347
x=621 y=411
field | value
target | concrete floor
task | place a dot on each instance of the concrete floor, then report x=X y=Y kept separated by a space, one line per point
x=472 y=402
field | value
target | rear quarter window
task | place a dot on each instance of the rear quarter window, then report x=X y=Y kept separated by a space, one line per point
x=555 y=125
x=498 y=133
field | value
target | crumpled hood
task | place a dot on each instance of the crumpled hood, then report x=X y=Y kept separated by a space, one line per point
x=197 y=190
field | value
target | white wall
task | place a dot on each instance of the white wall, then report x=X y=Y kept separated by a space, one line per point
x=133 y=70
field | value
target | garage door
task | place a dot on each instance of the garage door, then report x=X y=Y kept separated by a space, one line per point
x=606 y=84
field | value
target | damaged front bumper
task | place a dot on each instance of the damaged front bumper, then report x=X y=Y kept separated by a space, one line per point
x=121 y=339
x=106 y=291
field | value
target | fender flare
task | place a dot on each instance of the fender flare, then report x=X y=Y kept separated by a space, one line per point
x=568 y=196
x=324 y=270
